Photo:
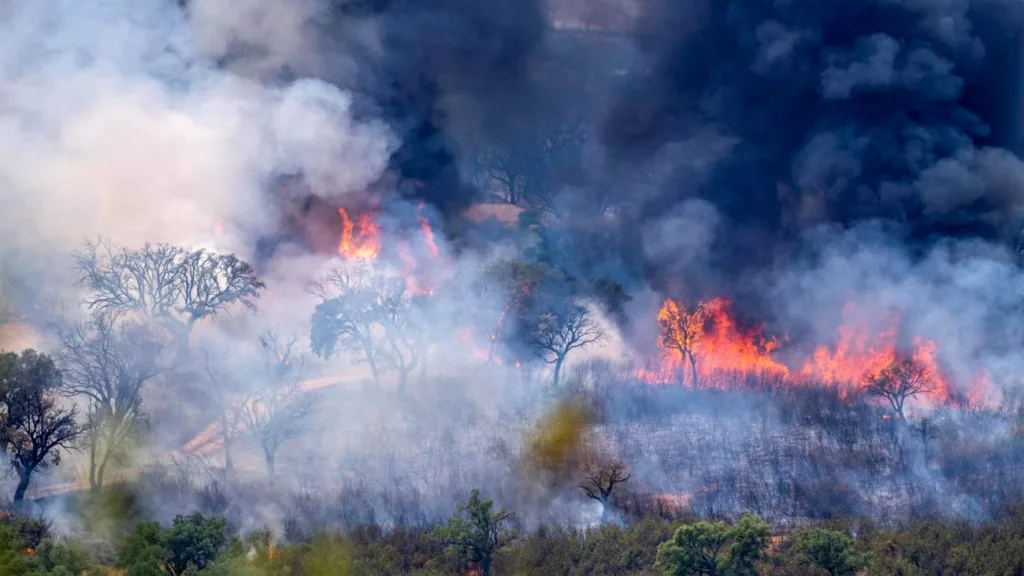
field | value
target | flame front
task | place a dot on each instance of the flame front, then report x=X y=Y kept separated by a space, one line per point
x=358 y=243
x=703 y=341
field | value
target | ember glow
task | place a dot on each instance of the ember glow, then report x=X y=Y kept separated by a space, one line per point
x=704 y=341
x=360 y=242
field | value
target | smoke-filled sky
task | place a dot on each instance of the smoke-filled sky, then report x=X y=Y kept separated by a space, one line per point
x=820 y=162
x=778 y=152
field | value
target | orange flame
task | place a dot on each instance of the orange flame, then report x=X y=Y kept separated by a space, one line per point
x=428 y=234
x=361 y=244
x=722 y=349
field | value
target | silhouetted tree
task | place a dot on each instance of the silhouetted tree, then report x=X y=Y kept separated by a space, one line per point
x=511 y=282
x=34 y=427
x=372 y=316
x=681 y=329
x=277 y=409
x=600 y=483
x=559 y=332
x=904 y=378
x=346 y=317
x=225 y=389
x=924 y=429
x=172 y=286
x=475 y=532
x=107 y=363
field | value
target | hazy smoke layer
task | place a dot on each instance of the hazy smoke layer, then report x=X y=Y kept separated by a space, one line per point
x=819 y=162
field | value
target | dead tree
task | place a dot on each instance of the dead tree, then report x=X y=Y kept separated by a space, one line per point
x=277 y=409
x=35 y=428
x=600 y=483
x=681 y=329
x=172 y=286
x=925 y=430
x=226 y=391
x=899 y=381
x=107 y=364
x=560 y=332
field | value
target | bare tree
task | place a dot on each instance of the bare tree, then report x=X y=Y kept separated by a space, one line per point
x=173 y=286
x=225 y=391
x=561 y=331
x=34 y=427
x=601 y=482
x=277 y=409
x=902 y=379
x=925 y=430
x=108 y=363
x=681 y=329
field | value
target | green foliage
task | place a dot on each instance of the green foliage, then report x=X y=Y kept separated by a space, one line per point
x=194 y=541
x=749 y=540
x=694 y=549
x=714 y=548
x=829 y=550
x=59 y=559
x=142 y=551
x=49 y=558
x=328 y=556
x=192 y=544
x=475 y=532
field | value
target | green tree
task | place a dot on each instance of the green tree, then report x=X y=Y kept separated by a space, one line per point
x=33 y=427
x=714 y=548
x=829 y=550
x=193 y=542
x=749 y=540
x=694 y=549
x=475 y=532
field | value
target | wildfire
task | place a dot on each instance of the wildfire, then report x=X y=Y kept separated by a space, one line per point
x=703 y=340
x=428 y=233
x=703 y=343
x=358 y=243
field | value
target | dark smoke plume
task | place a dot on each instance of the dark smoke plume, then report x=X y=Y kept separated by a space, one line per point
x=836 y=113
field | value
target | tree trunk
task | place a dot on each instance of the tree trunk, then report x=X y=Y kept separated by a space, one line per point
x=693 y=368
x=270 y=455
x=226 y=432
x=24 y=477
x=92 y=462
x=373 y=366
x=485 y=566
x=558 y=369
x=102 y=468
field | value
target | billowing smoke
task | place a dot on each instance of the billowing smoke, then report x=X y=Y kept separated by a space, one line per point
x=810 y=161
x=840 y=113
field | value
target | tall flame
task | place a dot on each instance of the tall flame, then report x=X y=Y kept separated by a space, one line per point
x=362 y=243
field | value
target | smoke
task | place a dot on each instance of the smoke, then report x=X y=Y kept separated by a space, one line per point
x=118 y=126
x=843 y=114
x=800 y=157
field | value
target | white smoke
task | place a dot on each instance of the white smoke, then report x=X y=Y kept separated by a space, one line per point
x=116 y=124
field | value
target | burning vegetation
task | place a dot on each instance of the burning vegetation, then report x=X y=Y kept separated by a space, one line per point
x=702 y=346
x=359 y=260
